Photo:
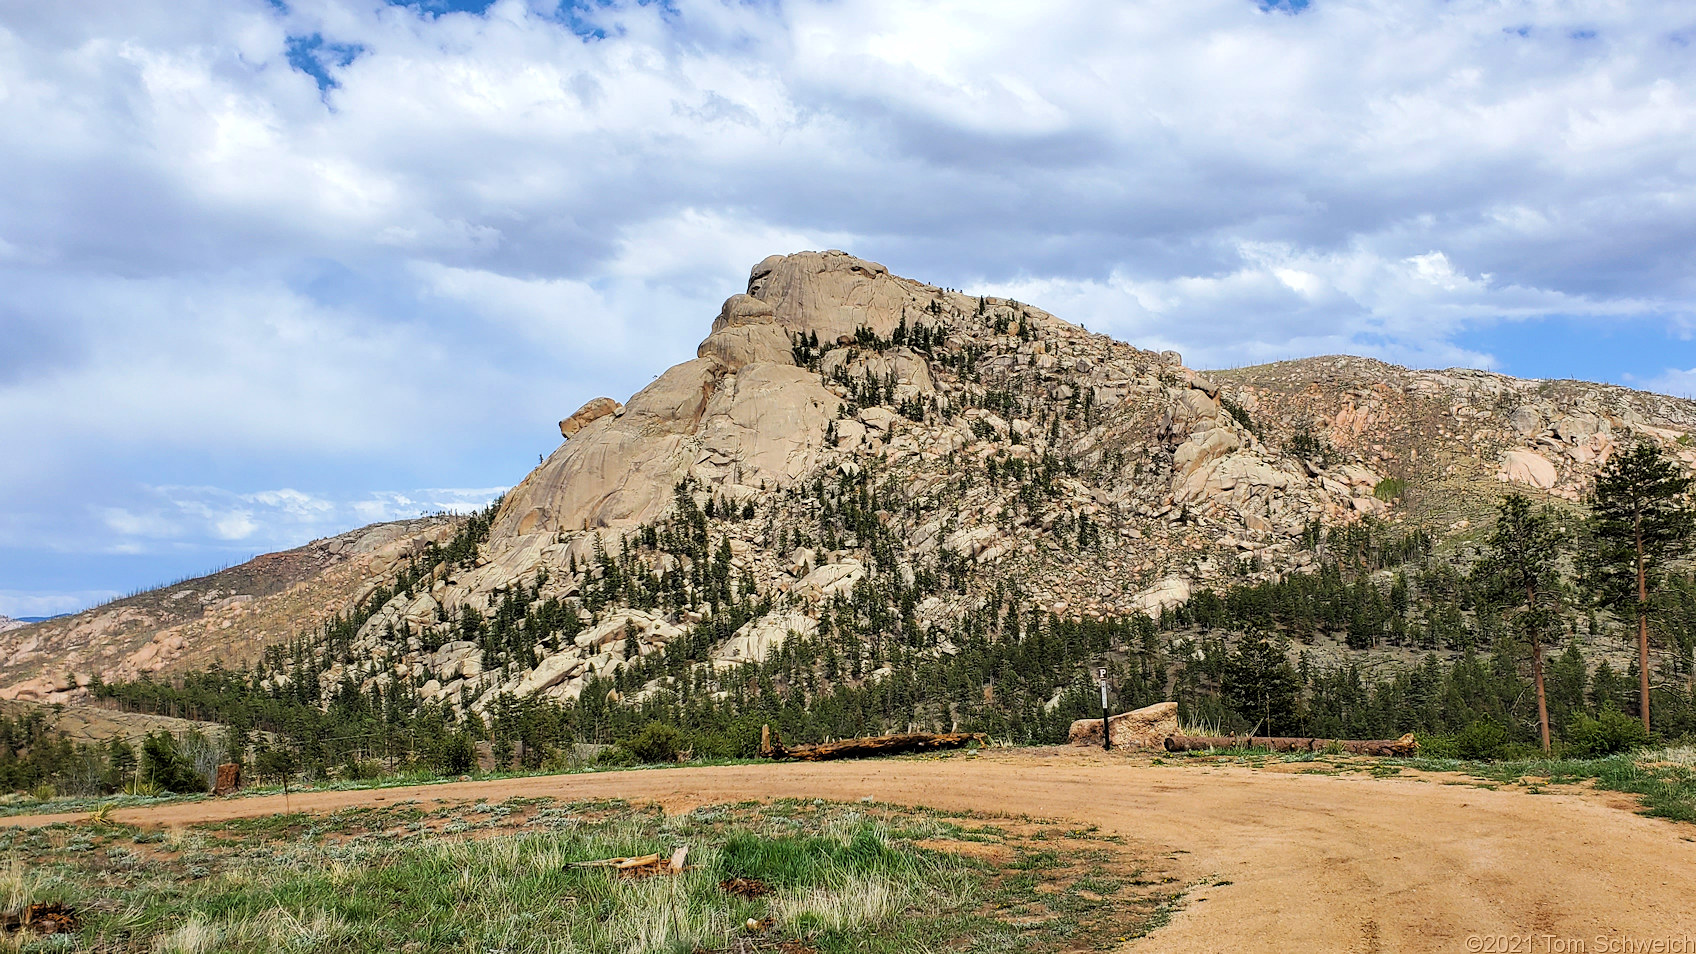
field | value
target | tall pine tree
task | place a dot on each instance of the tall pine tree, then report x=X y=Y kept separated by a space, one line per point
x=1522 y=563
x=1641 y=518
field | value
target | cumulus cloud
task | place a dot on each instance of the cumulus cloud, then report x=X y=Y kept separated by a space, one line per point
x=269 y=519
x=1676 y=381
x=347 y=245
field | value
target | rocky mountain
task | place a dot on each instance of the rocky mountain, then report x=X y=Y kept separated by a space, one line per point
x=227 y=617
x=850 y=443
x=7 y=622
x=841 y=425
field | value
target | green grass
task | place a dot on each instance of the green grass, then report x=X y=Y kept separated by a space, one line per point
x=26 y=805
x=1664 y=779
x=487 y=877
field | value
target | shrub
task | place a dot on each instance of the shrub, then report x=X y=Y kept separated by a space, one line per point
x=165 y=766
x=1308 y=446
x=1610 y=733
x=458 y=755
x=1480 y=741
x=361 y=770
x=1389 y=489
x=1435 y=746
x=657 y=742
x=1240 y=414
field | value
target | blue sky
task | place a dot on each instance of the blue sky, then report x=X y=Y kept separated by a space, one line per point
x=271 y=269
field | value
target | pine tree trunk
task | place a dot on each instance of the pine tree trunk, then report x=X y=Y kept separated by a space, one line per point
x=1642 y=631
x=1537 y=668
x=1542 y=699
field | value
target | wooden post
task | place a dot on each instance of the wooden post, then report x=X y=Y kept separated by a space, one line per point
x=1106 y=726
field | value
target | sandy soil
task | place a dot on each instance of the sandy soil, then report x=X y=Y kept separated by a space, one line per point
x=1279 y=861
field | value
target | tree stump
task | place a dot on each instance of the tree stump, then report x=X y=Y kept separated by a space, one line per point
x=229 y=779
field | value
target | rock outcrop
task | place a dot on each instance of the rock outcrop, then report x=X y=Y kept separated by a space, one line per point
x=1142 y=730
x=588 y=414
x=1453 y=437
x=991 y=442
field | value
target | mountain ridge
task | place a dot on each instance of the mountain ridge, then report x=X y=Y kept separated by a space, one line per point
x=841 y=426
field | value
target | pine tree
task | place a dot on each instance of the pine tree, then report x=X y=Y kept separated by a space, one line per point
x=1260 y=684
x=1641 y=518
x=1524 y=551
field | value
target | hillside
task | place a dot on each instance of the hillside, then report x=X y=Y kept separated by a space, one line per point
x=226 y=618
x=88 y=724
x=854 y=452
x=1457 y=436
x=890 y=494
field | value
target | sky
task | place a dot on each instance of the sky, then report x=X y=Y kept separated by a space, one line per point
x=273 y=269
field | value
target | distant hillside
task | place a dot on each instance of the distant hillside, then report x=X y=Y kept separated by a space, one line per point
x=1457 y=438
x=226 y=618
x=89 y=724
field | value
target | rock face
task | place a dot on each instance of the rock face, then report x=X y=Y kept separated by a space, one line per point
x=741 y=412
x=1145 y=729
x=6 y=623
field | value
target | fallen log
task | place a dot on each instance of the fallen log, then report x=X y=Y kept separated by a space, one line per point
x=1403 y=747
x=642 y=866
x=772 y=747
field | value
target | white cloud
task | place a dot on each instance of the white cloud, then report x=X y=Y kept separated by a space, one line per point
x=213 y=271
x=18 y=604
x=1675 y=381
x=162 y=518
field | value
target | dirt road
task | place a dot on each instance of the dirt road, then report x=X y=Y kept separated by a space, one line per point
x=1314 y=863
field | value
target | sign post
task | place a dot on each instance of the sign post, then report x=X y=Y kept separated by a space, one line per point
x=1106 y=728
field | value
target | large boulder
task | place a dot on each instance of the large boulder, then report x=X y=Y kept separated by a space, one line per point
x=1142 y=729
x=1527 y=467
x=757 y=638
x=1171 y=592
x=588 y=414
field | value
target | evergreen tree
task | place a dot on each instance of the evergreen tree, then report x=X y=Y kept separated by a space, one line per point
x=164 y=765
x=1521 y=561
x=1261 y=685
x=1640 y=518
